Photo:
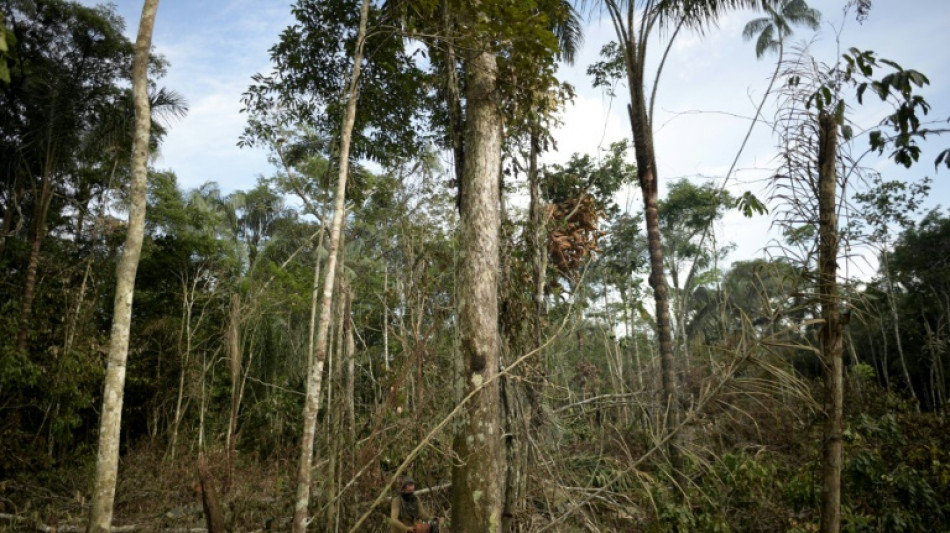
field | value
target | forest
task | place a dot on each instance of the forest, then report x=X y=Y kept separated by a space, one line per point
x=417 y=291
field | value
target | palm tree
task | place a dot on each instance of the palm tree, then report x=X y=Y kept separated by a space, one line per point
x=634 y=23
x=774 y=28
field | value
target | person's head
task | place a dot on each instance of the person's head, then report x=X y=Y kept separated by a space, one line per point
x=408 y=486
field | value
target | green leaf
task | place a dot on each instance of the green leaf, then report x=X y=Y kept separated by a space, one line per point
x=877 y=140
x=917 y=78
x=749 y=205
x=892 y=64
x=944 y=158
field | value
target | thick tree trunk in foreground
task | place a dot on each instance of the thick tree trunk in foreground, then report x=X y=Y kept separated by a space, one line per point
x=477 y=492
x=107 y=462
x=831 y=339
x=312 y=404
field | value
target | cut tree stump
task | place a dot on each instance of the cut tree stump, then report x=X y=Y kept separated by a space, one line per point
x=214 y=517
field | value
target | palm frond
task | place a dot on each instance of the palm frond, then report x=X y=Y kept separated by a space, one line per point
x=755 y=27
x=765 y=41
x=570 y=34
x=168 y=104
x=700 y=15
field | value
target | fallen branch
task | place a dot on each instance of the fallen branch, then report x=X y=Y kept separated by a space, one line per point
x=597 y=399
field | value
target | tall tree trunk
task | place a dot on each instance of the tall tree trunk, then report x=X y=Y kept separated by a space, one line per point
x=477 y=492
x=647 y=177
x=312 y=404
x=386 y=317
x=831 y=337
x=36 y=241
x=334 y=418
x=107 y=462
x=350 y=398
x=537 y=234
x=452 y=96
x=184 y=350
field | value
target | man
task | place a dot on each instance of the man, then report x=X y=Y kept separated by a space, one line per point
x=408 y=513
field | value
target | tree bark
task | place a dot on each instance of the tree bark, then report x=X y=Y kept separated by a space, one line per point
x=312 y=404
x=350 y=398
x=477 y=492
x=36 y=241
x=234 y=360
x=892 y=306
x=831 y=338
x=537 y=233
x=214 y=516
x=452 y=97
x=647 y=177
x=648 y=187
x=107 y=462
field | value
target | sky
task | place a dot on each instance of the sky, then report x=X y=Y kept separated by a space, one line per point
x=707 y=95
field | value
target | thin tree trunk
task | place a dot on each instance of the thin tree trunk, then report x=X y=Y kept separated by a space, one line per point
x=536 y=239
x=477 y=492
x=350 y=354
x=647 y=177
x=316 y=367
x=386 y=316
x=453 y=98
x=635 y=349
x=884 y=352
x=234 y=358
x=107 y=462
x=184 y=349
x=29 y=288
x=315 y=294
x=831 y=337
x=932 y=341
x=72 y=323
x=892 y=306
x=334 y=420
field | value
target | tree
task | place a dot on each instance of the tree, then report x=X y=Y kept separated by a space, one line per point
x=628 y=58
x=774 y=28
x=336 y=231
x=883 y=204
x=815 y=106
x=100 y=516
x=925 y=301
x=477 y=480
x=686 y=215
x=831 y=329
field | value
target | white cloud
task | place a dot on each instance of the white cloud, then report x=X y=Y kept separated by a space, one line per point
x=589 y=125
